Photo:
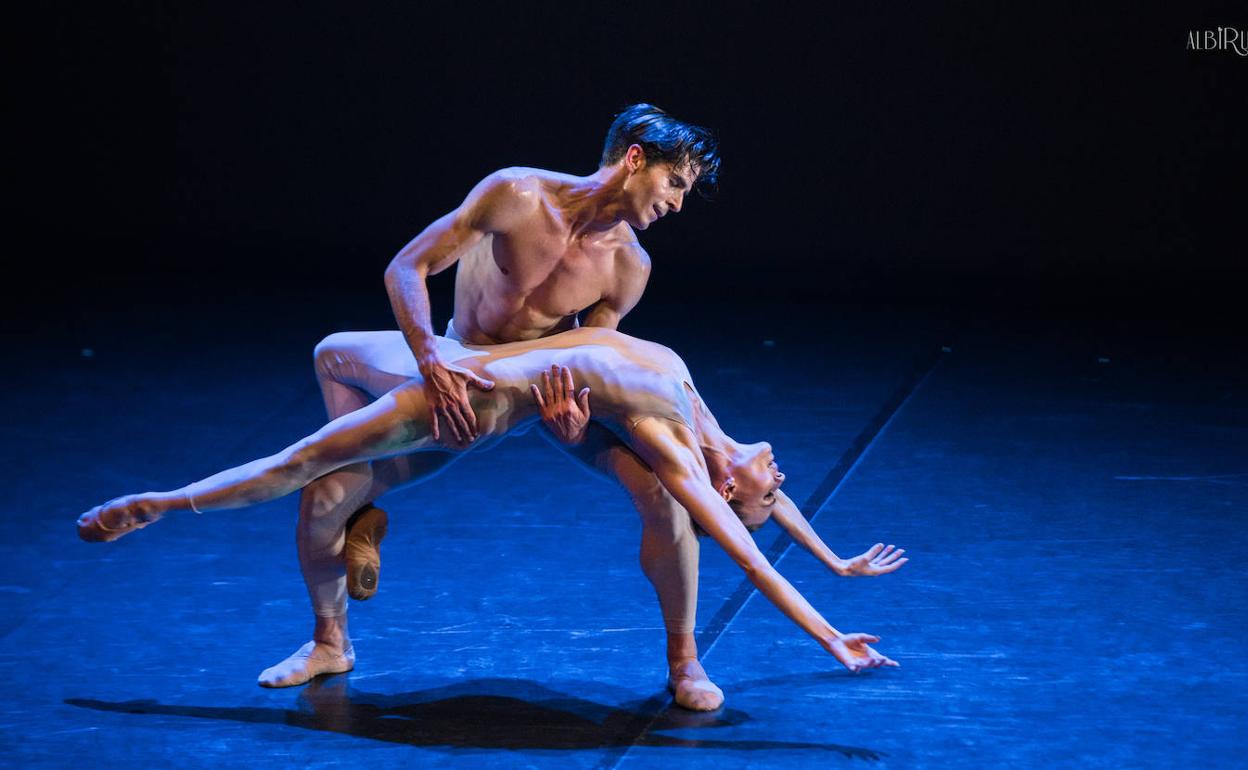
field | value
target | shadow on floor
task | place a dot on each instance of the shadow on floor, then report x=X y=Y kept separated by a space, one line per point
x=480 y=714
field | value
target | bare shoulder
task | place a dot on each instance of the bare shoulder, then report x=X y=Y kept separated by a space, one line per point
x=526 y=181
x=630 y=258
x=504 y=198
x=665 y=445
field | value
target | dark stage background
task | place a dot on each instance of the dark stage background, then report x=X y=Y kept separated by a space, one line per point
x=1069 y=160
x=971 y=268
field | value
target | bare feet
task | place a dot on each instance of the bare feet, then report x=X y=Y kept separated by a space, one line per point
x=362 y=551
x=692 y=688
x=310 y=660
x=118 y=517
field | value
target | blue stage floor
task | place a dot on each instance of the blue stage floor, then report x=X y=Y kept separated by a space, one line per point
x=1072 y=498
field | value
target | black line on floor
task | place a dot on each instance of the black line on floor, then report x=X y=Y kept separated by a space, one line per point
x=774 y=552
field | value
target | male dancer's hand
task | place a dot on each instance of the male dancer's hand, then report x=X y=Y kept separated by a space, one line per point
x=446 y=390
x=566 y=415
x=854 y=652
x=876 y=560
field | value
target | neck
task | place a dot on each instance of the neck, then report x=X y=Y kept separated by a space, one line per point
x=593 y=204
x=719 y=451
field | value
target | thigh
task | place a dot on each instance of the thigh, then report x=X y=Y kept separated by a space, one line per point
x=374 y=362
x=396 y=423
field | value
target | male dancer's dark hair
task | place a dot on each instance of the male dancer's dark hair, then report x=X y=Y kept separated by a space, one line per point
x=666 y=139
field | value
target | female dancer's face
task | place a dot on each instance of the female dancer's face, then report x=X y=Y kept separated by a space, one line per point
x=757 y=477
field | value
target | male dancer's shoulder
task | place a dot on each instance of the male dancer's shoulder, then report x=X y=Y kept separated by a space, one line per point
x=632 y=260
x=504 y=199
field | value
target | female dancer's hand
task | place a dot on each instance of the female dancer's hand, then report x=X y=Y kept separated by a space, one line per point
x=566 y=415
x=876 y=560
x=854 y=652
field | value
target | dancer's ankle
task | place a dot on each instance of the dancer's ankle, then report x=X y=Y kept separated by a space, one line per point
x=332 y=632
x=681 y=648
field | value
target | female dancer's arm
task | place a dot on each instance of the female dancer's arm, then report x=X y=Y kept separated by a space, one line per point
x=679 y=466
x=876 y=560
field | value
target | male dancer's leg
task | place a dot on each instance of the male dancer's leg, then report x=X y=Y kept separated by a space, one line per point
x=349 y=369
x=669 y=558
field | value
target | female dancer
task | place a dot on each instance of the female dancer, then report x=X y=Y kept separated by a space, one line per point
x=642 y=391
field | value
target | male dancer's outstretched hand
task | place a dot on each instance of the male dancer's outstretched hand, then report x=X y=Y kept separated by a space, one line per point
x=446 y=390
x=566 y=415
x=854 y=652
x=876 y=560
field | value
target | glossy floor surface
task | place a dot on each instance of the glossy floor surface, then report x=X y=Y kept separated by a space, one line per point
x=1073 y=498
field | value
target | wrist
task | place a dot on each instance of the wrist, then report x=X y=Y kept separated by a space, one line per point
x=422 y=344
x=830 y=639
x=427 y=359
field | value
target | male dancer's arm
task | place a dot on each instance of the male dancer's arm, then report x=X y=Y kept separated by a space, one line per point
x=631 y=272
x=494 y=205
x=877 y=560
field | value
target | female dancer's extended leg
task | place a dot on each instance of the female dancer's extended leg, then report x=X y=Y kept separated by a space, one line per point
x=396 y=423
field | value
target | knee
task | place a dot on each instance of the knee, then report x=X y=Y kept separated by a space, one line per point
x=320 y=500
x=330 y=353
x=669 y=545
x=300 y=466
x=332 y=497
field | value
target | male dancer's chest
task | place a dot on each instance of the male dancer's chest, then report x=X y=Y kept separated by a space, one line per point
x=530 y=284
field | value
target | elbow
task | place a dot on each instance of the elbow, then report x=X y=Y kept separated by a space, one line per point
x=389 y=280
x=755 y=567
x=392 y=274
x=400 y=270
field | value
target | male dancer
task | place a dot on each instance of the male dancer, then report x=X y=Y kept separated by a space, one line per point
x=534 y=249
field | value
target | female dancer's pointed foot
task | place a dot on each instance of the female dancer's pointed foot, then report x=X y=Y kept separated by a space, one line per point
x=121 y=516
x=362 y=551
x=310 y=660
x=692 y=688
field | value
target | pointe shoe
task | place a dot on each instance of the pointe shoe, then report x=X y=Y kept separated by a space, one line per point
x=362 y=551
x=91 y=526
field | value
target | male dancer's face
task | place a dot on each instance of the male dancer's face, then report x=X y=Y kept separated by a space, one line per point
x=656 y=190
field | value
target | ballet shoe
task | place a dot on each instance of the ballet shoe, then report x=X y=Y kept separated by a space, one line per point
x=362 y=551
x=93 y=529
x=306 y=663
x=692 y=688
